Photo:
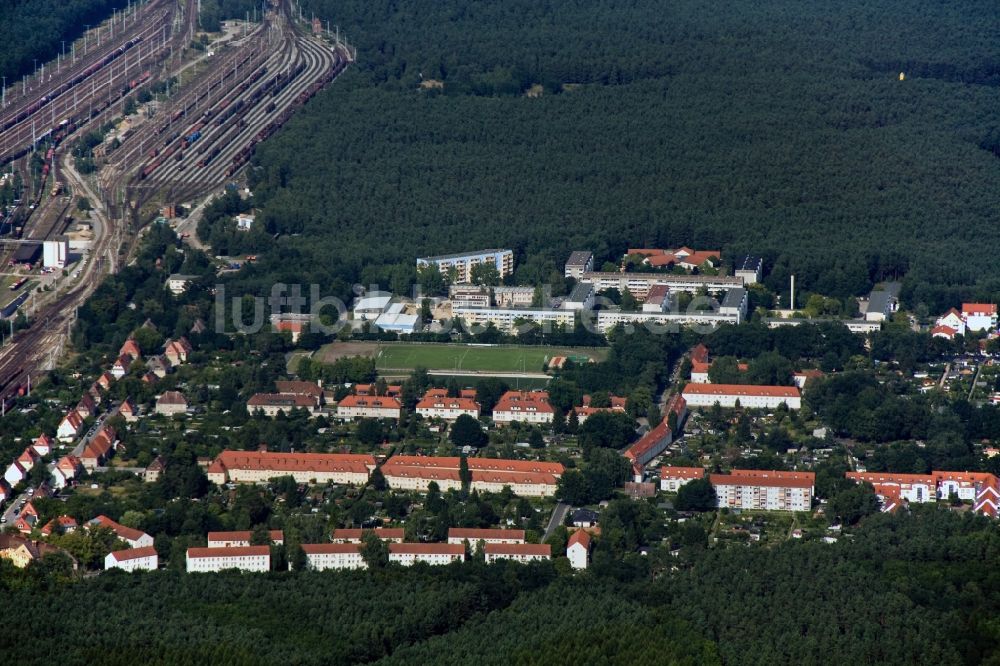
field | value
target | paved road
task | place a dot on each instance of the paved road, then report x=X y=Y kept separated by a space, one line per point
x=558 y=516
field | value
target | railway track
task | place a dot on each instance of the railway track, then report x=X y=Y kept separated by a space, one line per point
x=278 y=69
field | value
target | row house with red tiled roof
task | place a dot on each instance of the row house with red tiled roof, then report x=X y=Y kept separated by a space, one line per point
x=656 y=440
x=391 y=390
x=260 y=466
x=746 y=395
x=473 y=536
x=523 y=477
x=100 y=447
x=244 y=558
x=408 y=554
x=893 y=488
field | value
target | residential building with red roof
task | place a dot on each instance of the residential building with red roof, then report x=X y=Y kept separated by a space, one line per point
x=767 y=490
x=391 y=390
x=684 y=257
x=133 y=559
x=28 y=458
x=100 y=447
x=177 y=351
x=472 y=536
x=130 y=348
x=129 y=411
x=121 y=365
x=943 y=331
x=748 y=396
x=952 y=319
x=245 y=558
x=518 y=552
x=67 y=469
x=43 y=445
x=5 y=490
x=699 y=364
x=15 y=473
x=524 y=477
x=655 y=441
x=241 y=538
x=272 y=403
x=672 y=478
x=372 y=407
x=980 y=488
x=323 y=556
x=260 y=466
x=356 y=535
x=105 y=380
x=523 y=406
x=617 y=404
x=133 y=537
x=171 y=403
x=87 y=407
x=60 y=525
x=69 y=427
x=294 y=387
x=437 y=404
x=408 y=554
x=578 y=549
x=980 y=316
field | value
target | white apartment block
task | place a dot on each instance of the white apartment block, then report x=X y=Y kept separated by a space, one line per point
x=323 y=556
x=462 y=263
x=241 y=538
x=518 y=552
x=672 y=478
x=789 y=491
x=751 y=397
x=133 y=559
x=578 y=549
x=408 y=554
x=246 y=558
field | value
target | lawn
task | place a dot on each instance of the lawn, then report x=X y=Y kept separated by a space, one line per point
x=475 y=358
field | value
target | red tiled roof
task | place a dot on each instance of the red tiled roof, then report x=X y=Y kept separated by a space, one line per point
x=742 y=389
x=482 y=464
x=774 y=474
x=172 y=398
x=475 y=534
x=380 y=532
x=426 y=549
x=330 y=548
x=518 y=549
x=979 y=308
x=281 y=400
x=370 y=401
x=299 y=388
x=127 y=533
x=944 y=330
x=133 y=553
x=891 y=477
x=770 y=482
x=670 y=472
x=231 y=551
x=292 y=462
x=524 y=401
x=243 y=535
x=581 y=537
x=435 y=402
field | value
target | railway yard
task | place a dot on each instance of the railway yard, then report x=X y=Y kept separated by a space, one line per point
x=213 y=106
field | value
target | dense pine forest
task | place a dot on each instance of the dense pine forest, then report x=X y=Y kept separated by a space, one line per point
x=33 y=29
x=772 y=127
x=909 y=589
